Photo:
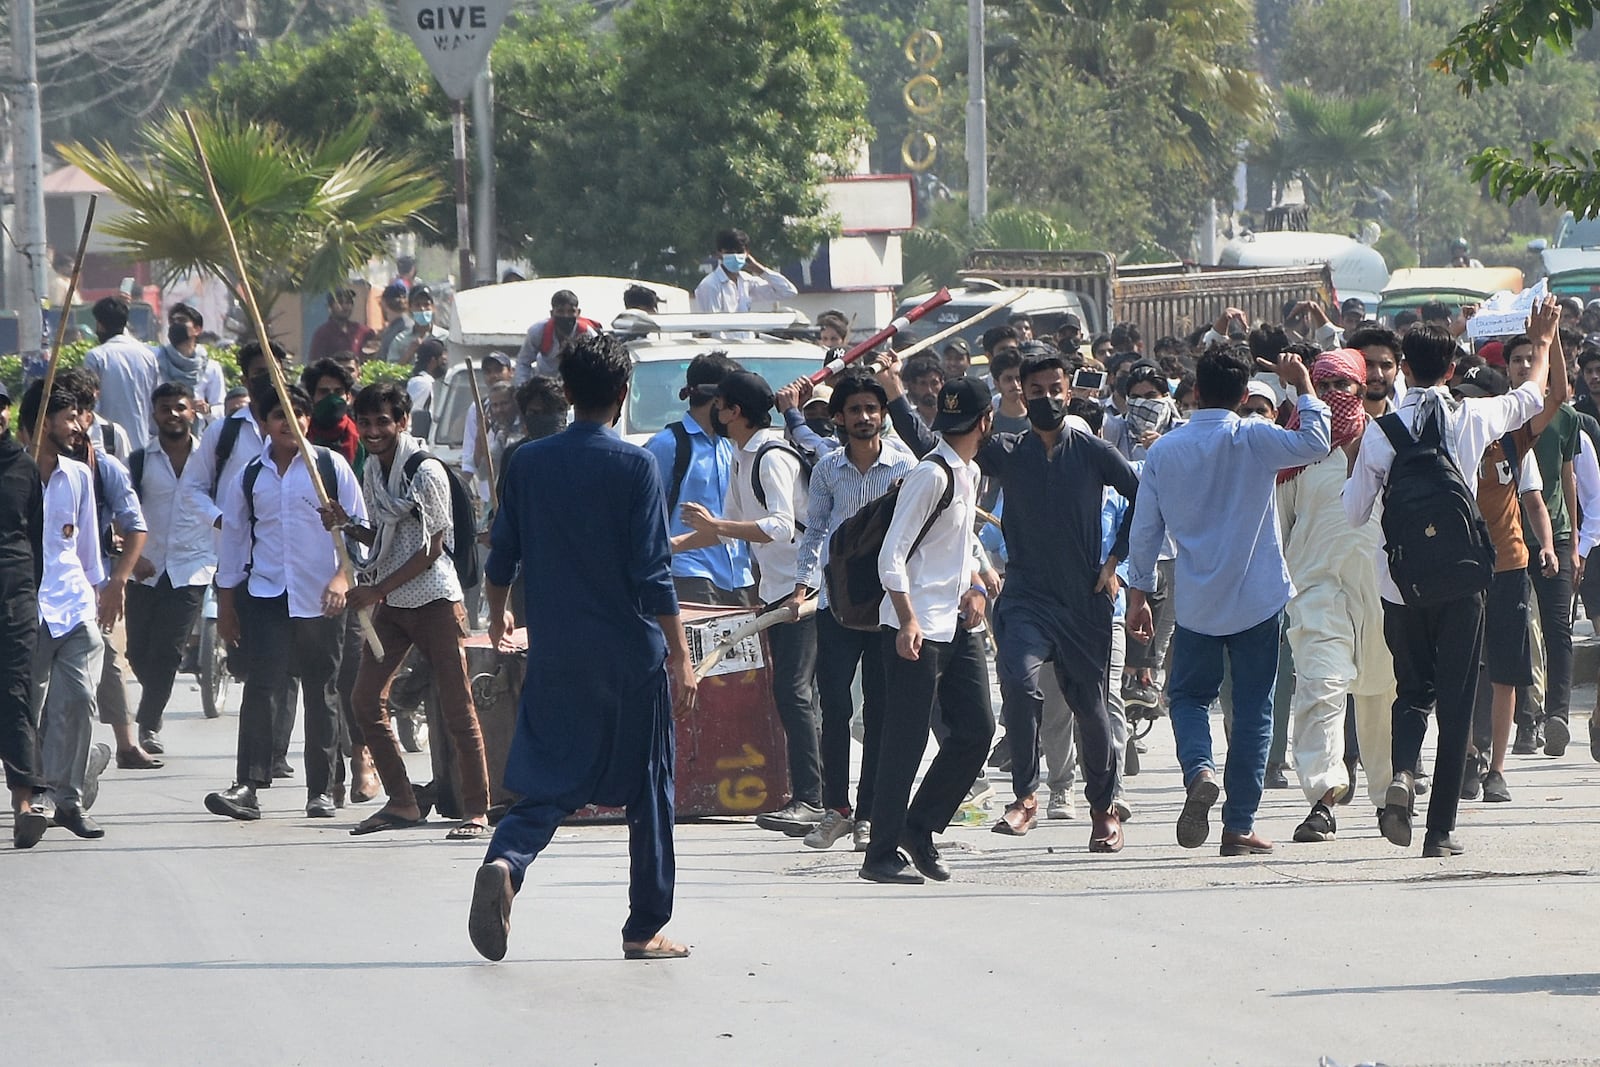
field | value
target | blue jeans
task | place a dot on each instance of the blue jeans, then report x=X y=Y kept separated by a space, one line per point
x=1195 y=679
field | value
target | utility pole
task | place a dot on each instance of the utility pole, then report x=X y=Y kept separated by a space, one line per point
x=487 y=255
x=28 y=157
x=977 y=118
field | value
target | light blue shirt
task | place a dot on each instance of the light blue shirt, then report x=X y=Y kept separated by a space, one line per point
x=1210 y=485
x=725 y=565
x=837 y=491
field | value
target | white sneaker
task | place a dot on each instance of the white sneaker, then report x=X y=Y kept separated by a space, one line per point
x=1061 y=806
x=861 y=836
x=832 y=827
x=1119 y=808
x=981 y=792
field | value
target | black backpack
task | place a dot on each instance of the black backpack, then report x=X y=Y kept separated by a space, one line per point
x=226 y=440
x=1438 y=545
x=463 y=519
x=755 y=473
x=855 y=590
x=682 y=450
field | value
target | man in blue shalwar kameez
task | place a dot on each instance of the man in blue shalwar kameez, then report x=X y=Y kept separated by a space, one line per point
x=584 y=513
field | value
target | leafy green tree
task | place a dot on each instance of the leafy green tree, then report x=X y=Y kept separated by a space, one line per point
x=1428 y=194
x=305 y=213
x=620 y=145
x=1511 y=36
x=725 y=114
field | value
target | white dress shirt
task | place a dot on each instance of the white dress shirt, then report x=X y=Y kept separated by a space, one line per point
x=128 y=375
x=1470 y=427
x=290 y=551
x=785 y=490
x=246 y=446
x=72 y=565
x=179 y=542
x=945 y=565
x=420 y=388
x=719 y=292
x=1586 y=472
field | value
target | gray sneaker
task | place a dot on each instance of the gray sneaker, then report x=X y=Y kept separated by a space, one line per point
x=861 y=836
x=832 y=827
x=796 y=820
x=1061 y=805
x=99 y=760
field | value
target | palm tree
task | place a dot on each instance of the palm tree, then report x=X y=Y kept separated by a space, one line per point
x=1340 y=147
x=306 y=215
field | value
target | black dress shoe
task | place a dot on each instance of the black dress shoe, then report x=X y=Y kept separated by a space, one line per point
x=281 y=769
x=236 y=802
x=893 y=870
x=75 y=820
x=150 y=741
x=319 y=806
x=925 y=855
x=1437 y=845
x=29 y=827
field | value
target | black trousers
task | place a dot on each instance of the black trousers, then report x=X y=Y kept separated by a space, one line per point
x=794 y=675
x=19 y=735
x=839 y=652
x=1025 y=647
x=160 y=620
x=1555 y=622
x=704 y=591
x=954 y=673
x=270 y=640
x=1437 y=652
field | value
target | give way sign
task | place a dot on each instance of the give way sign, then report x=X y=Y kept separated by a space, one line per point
x=454 y=38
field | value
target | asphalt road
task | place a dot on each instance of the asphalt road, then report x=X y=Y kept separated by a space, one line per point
x=182 y=938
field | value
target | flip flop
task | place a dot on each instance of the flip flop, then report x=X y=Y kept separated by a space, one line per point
x=663 y=950
x=383 y=820
x=467 y=831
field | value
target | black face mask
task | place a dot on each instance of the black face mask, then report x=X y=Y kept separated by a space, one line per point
x=539 y=426
x=822 y=427
x=178 y=334
x=1047 y=412
x=717 y=426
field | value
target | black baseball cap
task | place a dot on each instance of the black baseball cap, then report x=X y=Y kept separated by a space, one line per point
x=962 y=402
x=749 y=392
x=957 y=345
x=1480 y=382
x=1354 y=303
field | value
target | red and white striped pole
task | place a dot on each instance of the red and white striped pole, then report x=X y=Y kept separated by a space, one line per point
x=901 y=322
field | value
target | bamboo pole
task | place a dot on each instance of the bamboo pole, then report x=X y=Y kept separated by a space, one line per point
x=61 y=326
x=307 y=456
x=928 y=342
x=483 y=435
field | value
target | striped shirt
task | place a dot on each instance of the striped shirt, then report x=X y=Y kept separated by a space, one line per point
x=839 y=490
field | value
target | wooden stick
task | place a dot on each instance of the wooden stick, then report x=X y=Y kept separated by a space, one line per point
x=928 y=342
x=483 y=435
x=784 y=612
x=307 y=456
x=61 y=326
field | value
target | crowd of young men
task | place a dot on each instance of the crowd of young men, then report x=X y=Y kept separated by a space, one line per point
x=1236 y=539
